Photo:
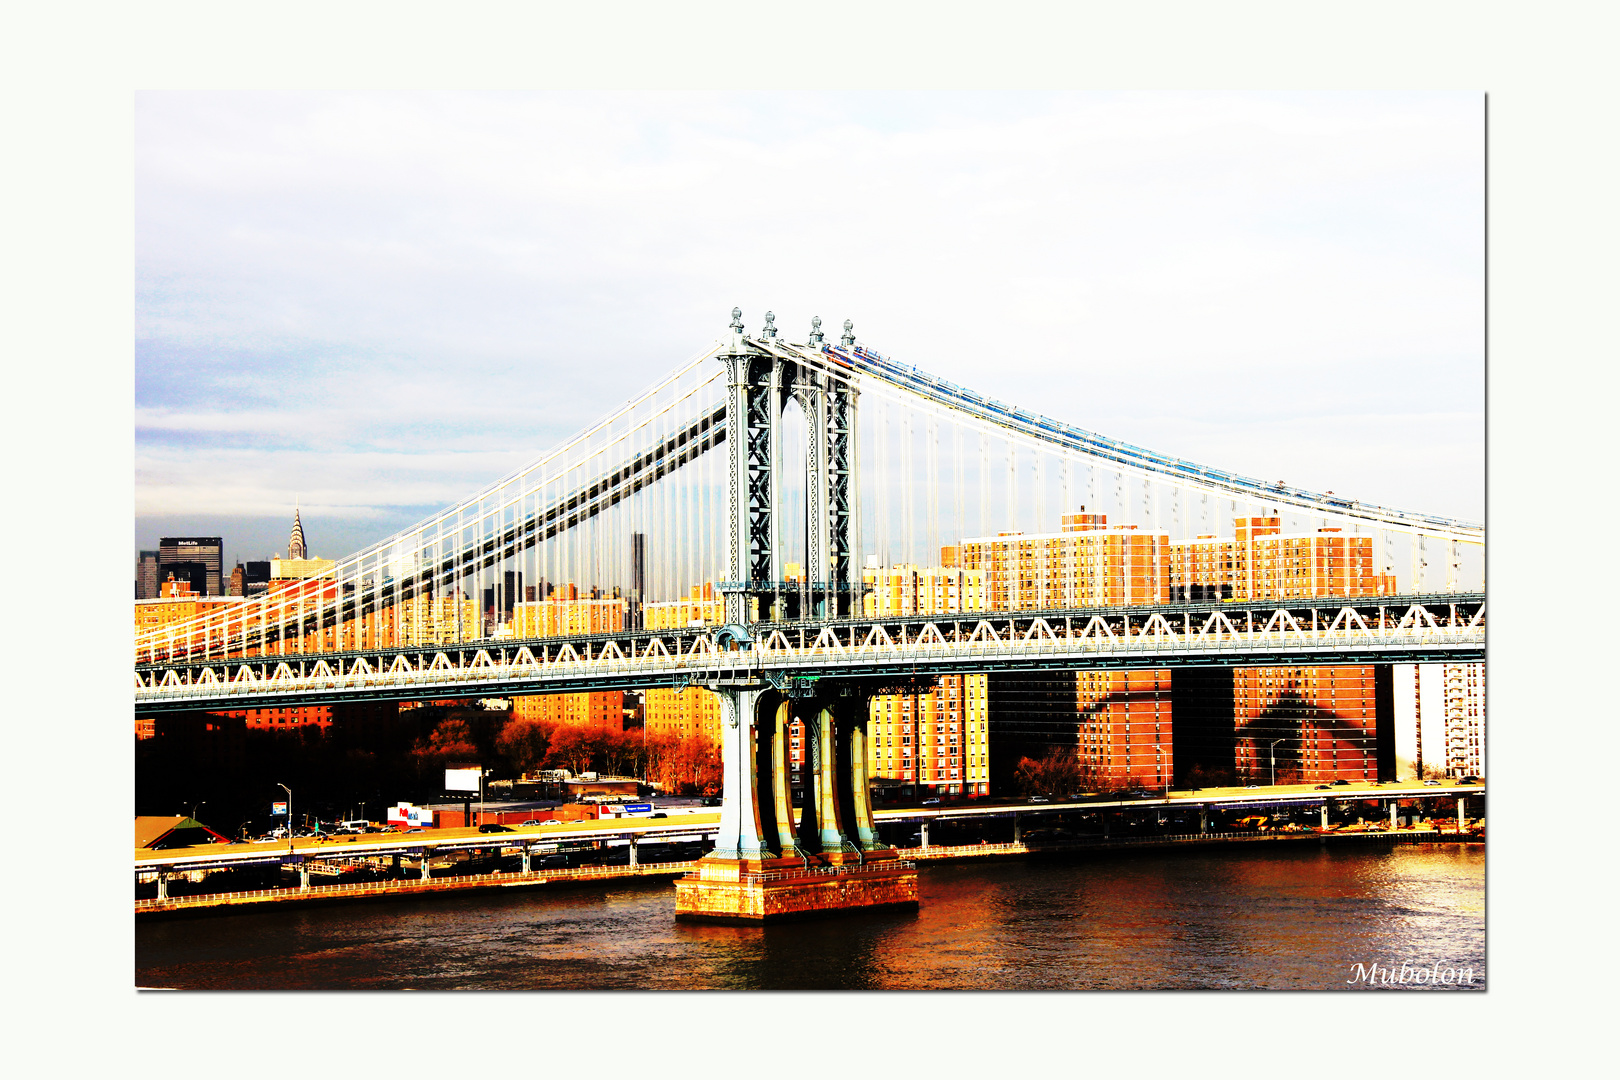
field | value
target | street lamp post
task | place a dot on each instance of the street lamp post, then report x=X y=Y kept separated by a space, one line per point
x=1274 y=743
x=288 y=790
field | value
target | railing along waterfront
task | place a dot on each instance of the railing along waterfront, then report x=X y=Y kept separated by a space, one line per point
x=356 y=888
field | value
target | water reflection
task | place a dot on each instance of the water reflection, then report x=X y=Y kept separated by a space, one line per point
x=1184 y=919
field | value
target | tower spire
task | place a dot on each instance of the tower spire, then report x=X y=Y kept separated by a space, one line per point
x=295 y=543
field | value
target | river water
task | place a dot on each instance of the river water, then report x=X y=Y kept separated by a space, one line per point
x=1202 y=919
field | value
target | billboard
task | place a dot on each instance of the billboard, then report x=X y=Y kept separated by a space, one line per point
x=408 y=816
x=461 y=777
x=278 y=809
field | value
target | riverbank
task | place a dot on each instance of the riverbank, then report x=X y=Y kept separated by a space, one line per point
x=229 y=902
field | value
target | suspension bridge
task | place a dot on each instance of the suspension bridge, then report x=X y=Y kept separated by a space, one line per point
x=789 y=476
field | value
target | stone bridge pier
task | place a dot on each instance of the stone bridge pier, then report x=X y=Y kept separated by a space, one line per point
x=770 y=863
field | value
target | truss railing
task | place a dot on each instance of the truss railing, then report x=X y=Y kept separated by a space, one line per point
x=1366 y=632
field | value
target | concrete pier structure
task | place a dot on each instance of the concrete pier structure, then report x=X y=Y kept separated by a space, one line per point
x=766 y=866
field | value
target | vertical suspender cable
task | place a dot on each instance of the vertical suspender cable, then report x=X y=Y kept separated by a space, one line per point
x=984 y=484
x=908 y=488
x=958 y=521
x=1012 y=486
x=932 y=450
x=881 y=475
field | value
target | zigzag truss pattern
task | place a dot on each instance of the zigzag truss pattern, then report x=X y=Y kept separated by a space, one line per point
x=1393 y=629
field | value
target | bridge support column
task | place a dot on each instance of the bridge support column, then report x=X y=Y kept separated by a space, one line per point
x=1203 y=819
x=741 y=836
x=1018 y=830
x=1394 y=810
x=1462 y=802
x=303 y=874
x=163 y=883
x=761 y=869
x=1324 y=815
x=781 y=719
x=634 y=853
x=1105 y=816
x=426 y=872
x=523 y=853
x=393 y=870
x=923 y=834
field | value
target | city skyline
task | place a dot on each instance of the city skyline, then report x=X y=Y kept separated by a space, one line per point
x=364 y=420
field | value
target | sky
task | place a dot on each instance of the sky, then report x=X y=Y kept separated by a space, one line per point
x=373 y=304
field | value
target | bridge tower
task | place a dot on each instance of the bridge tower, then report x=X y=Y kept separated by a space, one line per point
x=763 y=378
x=766 y=865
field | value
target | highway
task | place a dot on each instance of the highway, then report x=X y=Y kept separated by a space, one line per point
x=687 y=827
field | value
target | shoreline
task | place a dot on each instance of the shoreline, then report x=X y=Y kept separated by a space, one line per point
x=213 y=904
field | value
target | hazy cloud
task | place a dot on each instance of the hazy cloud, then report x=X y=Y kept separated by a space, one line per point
x=370 y=298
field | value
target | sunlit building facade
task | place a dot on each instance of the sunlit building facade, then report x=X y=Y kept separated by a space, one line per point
x=936 y=742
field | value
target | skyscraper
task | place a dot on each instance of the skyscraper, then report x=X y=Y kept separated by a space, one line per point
x=196 y=559
x=146 y=576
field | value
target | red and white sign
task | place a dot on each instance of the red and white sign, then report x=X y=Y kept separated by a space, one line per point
x=410 y=817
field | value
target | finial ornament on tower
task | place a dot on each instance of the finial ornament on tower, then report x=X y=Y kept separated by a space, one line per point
x=815 y=330
x=770 y=325
x=736 y=319
x=849 y=332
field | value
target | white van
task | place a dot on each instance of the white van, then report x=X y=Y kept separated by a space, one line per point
x=354 y=826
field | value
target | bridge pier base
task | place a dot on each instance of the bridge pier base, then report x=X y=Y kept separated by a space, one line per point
x=426 y=873
x=764 y=870
x=1394 y=811
x=1461 y=803
x=163 y=879
x=1324 y=815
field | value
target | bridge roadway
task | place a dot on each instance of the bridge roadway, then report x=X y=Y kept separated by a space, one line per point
x=1431 y=628
x=438 y=842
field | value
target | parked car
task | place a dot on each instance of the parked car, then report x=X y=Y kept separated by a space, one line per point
x=529 y=823
x=1431 y=783
x=491 y=827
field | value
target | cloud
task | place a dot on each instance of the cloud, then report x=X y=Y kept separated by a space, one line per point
x=483 y=274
